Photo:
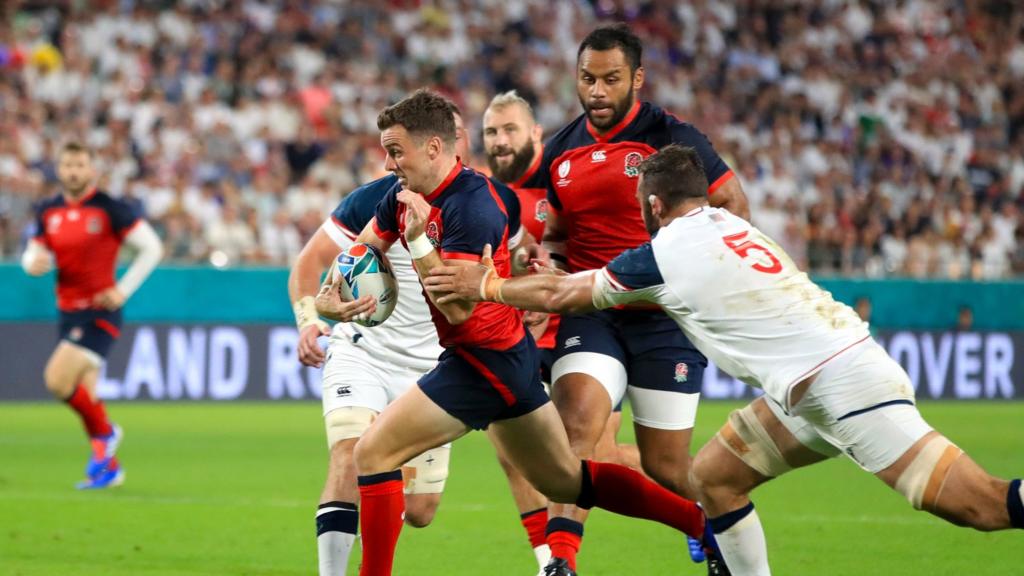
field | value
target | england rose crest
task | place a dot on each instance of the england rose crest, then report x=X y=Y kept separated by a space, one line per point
x=541 y=210
x=433 y=232
x=682 y=372
x=633 y=160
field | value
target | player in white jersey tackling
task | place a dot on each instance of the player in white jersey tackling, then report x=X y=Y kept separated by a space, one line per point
x=829 y=387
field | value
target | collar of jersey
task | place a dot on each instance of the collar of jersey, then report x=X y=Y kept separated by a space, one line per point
x=531 y=170
x=607 y=136
x=79 y=201
x=446 y=182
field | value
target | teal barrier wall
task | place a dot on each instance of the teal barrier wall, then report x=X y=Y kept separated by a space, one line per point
x=258 y=295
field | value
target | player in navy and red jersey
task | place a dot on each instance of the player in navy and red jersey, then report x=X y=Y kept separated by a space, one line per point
x=375 y=365
x=590 y=169
x=488 y=375
x=82 y=230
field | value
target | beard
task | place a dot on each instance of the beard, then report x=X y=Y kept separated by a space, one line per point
x=74 y=186
x=650 y=222
x=619 y=111
x=514 y=170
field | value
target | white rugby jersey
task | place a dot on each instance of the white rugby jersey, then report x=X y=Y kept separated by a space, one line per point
x=738 y=297
x=408 y=337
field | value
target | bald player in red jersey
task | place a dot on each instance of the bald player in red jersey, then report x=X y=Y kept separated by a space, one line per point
x=590 y=170
x=488 y=374
x=81 y=230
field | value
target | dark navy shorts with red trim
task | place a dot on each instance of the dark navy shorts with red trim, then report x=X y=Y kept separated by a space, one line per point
x=479 y=386
x=94 y=330
x=649 y=344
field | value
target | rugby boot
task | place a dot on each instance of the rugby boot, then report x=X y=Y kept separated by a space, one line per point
x=558 y=567
x=104 y=448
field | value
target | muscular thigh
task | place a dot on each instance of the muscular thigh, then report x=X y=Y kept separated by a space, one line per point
x=665 y=371
x=588 y=353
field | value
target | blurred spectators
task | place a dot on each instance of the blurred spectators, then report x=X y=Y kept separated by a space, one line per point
x=874 y=138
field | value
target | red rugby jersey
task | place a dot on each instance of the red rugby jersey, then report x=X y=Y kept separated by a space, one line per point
x=591 y=179
x=466 y=213
x=85 y=236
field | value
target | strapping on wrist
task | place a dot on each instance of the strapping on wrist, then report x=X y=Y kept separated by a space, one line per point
x=420 y=247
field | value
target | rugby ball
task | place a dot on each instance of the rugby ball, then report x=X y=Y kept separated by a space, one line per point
x=365 y=271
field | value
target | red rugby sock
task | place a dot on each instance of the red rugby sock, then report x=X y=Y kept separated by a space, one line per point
x=92 y=412
x=381 y=508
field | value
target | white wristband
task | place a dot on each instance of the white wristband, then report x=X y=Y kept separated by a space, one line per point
x=420 y=246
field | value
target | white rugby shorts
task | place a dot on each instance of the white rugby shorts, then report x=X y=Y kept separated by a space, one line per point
x=352 y=376
x=860 y=404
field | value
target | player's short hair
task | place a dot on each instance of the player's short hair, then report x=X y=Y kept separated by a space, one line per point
x=615 y=36
x=75 y=147
x=423 y=114
x=510 y=98
x=674 y=173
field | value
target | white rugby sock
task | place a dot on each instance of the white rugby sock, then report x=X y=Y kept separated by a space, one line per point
x=743 y=546
x=336 y=525
x=543 y=554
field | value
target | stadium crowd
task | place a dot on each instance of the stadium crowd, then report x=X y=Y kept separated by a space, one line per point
x=872 y=138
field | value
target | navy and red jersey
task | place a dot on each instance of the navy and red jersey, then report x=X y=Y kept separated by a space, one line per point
x=591 y=179
x=84 y=236
x=357 y=209
x=466 y=213
x=534 y=204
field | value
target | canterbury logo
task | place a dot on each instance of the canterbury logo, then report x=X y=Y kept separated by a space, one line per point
x=572 y=341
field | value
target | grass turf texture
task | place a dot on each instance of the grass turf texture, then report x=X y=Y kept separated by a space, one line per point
x=230 y=489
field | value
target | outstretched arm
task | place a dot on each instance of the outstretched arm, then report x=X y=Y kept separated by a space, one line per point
x=540 y=292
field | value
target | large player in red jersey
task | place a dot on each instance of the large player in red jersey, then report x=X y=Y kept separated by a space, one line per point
x=488 y=374
x=513 y=145
x=590 y=170
x=80 y=231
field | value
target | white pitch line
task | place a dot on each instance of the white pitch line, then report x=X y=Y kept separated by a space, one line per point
x=116 y=496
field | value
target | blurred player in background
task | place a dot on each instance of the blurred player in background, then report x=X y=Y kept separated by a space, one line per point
x=829 y=388
x=79 y=232
x=488 y=374
x=590 y=171
x=367 y=368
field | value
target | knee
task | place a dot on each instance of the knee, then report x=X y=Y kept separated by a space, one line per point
x=342 y=461
x=706 y=482
x=671 y=472
x=562 y=487
x=55 y=381
x=419 y=512
x=365 y=458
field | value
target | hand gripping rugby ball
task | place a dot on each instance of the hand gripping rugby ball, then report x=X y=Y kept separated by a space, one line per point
x=365 y=271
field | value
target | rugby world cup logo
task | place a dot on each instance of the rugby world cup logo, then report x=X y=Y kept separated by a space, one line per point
x=563 y=169
x=633 y=160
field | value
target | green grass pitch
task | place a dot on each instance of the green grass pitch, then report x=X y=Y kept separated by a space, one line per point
x=231 y=489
